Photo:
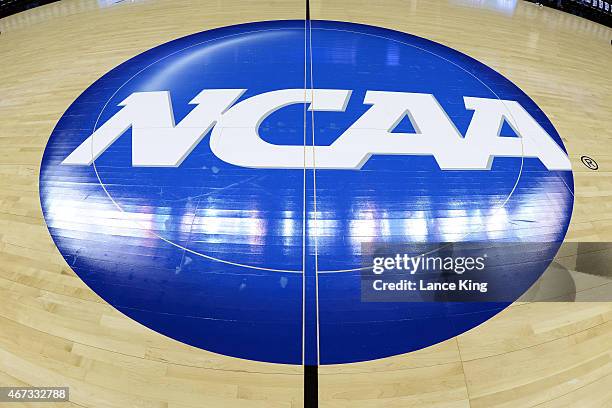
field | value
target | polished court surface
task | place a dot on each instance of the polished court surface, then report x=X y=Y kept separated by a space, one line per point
x=56 y=331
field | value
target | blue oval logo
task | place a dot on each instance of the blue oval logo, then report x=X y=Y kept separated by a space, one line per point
x=224 y=188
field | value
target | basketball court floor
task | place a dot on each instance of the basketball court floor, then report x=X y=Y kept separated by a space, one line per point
x=55 y=330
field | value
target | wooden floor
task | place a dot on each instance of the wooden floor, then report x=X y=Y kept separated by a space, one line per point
x=56 y=331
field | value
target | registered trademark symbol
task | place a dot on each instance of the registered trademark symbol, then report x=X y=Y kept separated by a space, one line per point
x=590 y=163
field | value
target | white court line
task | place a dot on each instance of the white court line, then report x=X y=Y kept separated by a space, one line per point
x=304 y=213
x=314 y=182
x=501 y=205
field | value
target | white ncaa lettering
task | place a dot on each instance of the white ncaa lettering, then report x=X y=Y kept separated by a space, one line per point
x=157 y=142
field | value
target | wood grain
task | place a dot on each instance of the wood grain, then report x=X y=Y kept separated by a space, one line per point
x=55 y=331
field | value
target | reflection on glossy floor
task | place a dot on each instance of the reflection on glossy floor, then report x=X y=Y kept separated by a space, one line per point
x=56 y=331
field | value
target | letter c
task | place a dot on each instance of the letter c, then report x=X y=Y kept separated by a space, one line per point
x=235 y=139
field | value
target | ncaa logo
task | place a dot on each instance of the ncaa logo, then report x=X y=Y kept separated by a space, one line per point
x=221 y=188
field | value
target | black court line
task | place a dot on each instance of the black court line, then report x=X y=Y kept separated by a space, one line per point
x=311 y=386
x=311 y=372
